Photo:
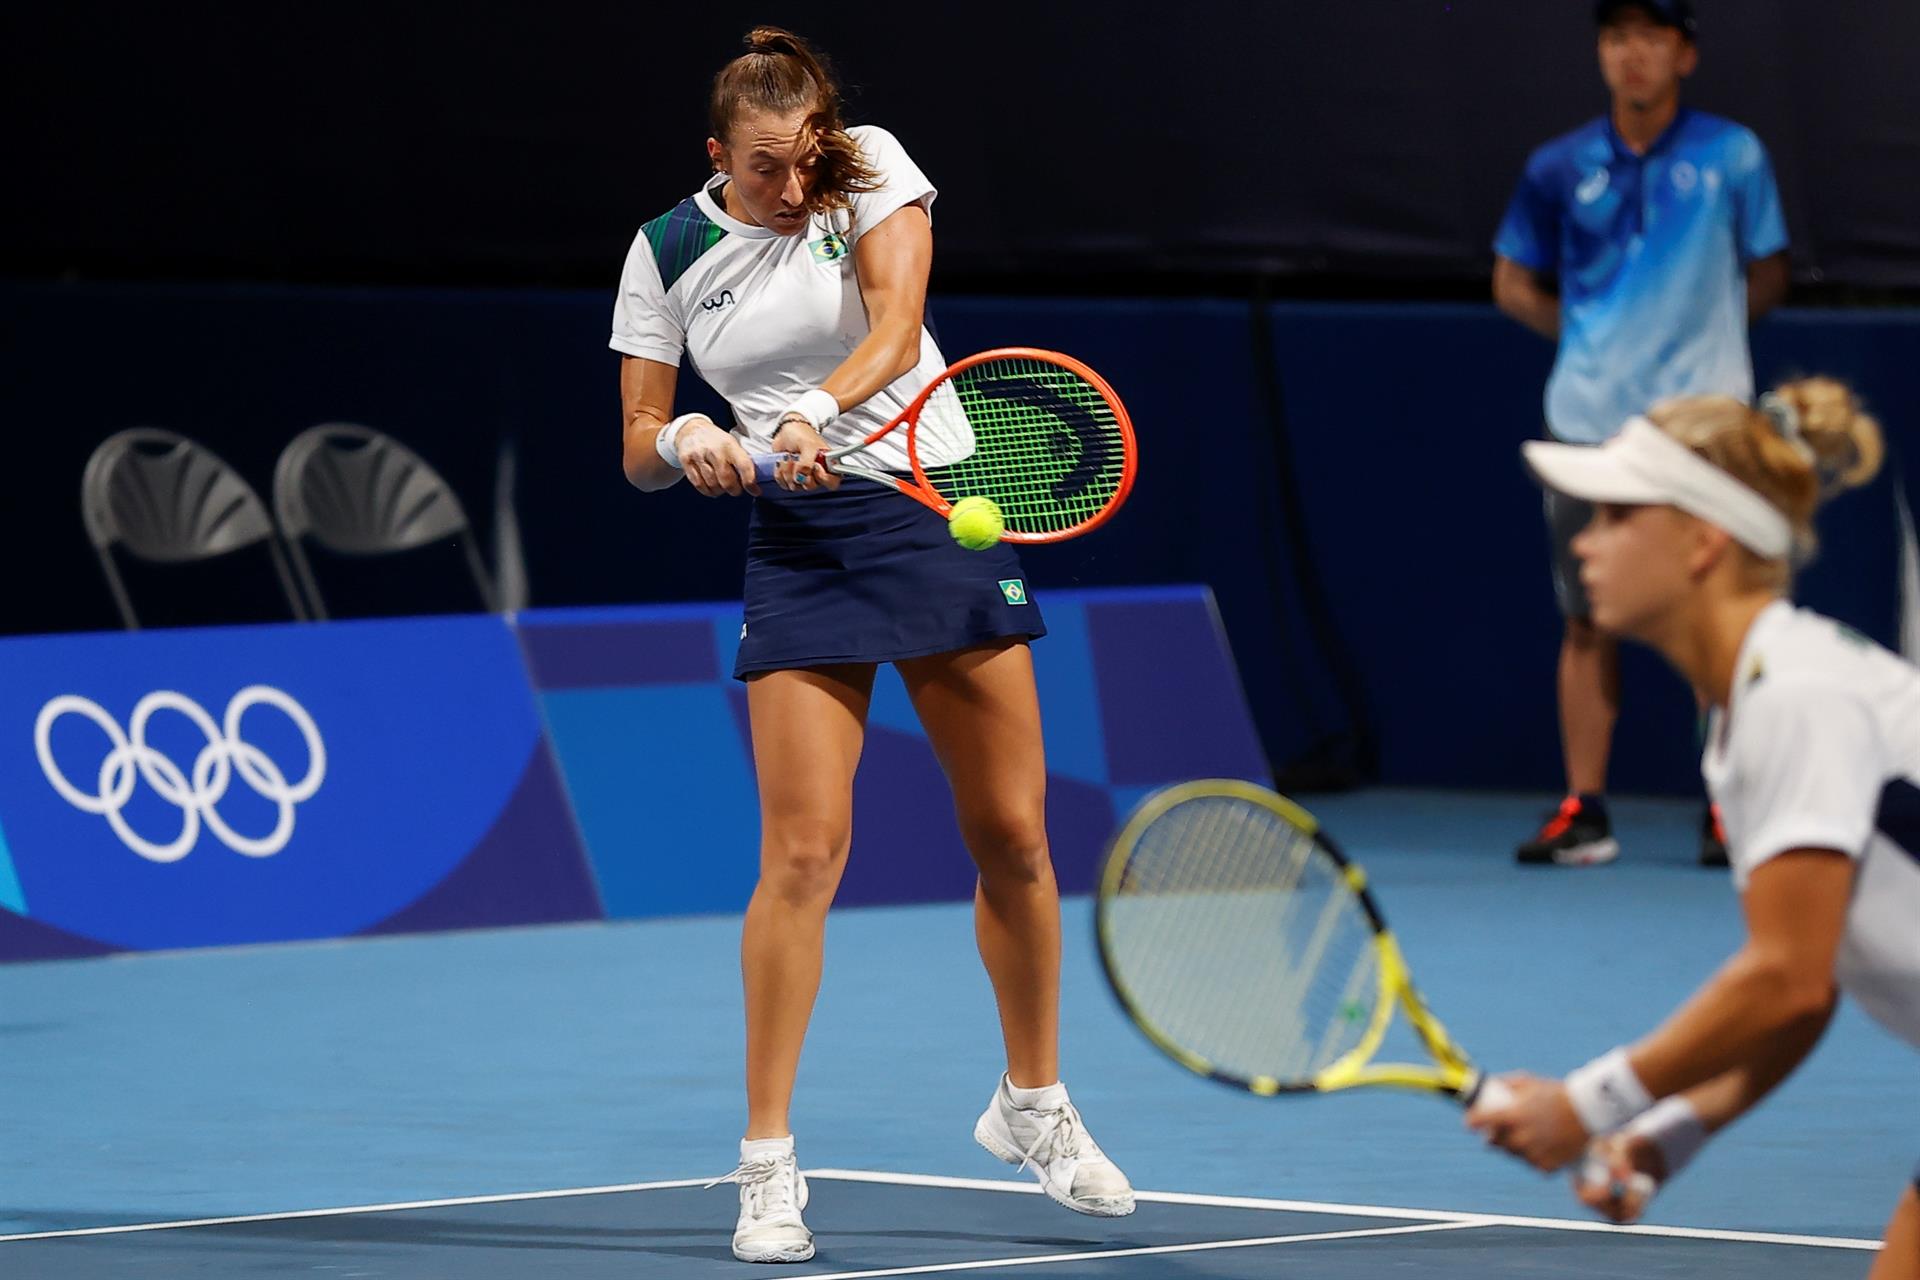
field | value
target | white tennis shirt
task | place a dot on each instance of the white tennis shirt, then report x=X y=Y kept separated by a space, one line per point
x=764 y=317
x=1820 y=749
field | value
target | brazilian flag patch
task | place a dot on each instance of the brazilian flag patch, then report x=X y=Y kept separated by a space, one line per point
x=828 y=248
x=1014 y=589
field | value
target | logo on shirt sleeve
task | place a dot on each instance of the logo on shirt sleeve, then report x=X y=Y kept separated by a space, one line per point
x=828 y=248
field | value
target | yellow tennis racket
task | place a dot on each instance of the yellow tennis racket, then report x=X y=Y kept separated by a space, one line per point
x=1248 y=948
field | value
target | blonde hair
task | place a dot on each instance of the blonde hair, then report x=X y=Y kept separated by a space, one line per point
x=780 y=72
x=1811 y=441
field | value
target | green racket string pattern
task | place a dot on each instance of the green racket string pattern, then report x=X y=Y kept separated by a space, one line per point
x=1036 y=438
x=1236 y=937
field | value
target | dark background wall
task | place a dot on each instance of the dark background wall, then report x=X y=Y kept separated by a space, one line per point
x=1402 y=423
x=240 y=222
x=441 y=142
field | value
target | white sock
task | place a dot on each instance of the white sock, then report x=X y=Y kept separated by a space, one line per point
x=1047 y=1095
x=762 y=1148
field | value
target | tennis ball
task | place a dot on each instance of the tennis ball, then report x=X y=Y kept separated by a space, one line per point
x=975 y=523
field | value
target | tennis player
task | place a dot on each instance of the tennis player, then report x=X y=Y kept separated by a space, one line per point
x=1703 y=508
x=795 y=280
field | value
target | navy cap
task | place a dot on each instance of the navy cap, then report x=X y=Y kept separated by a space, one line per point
x=1668 y=13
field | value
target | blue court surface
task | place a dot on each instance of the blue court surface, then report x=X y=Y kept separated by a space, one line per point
x=550 y=1102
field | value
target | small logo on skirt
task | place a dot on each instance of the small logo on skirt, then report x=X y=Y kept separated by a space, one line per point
x=1014 y=589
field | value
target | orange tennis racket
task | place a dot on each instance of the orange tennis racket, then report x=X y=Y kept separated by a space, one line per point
x=1039 y=433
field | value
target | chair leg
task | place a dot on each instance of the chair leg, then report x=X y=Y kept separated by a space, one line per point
x=119 y=590
x=307 y=606
x=488 y=595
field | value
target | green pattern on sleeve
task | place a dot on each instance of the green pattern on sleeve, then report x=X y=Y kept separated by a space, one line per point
x=679 y=237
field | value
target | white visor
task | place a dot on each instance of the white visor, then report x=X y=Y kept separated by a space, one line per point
x=1644 y=466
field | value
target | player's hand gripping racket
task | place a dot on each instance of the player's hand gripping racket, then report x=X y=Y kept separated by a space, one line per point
x=1039 y=433
x=1249 y=950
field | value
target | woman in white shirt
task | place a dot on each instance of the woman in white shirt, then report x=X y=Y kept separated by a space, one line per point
x=1704 y=507
x=795 y=280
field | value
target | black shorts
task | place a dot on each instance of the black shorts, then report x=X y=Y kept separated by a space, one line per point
x=865 y=575
x=1566 y=517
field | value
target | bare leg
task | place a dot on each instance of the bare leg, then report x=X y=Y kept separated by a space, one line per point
x=808 y=727
x=982 y=714
x=1899 y=1257
x=1589 y=704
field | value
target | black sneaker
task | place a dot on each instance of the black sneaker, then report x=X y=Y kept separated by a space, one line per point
x=1713 y=839
x=1578 y=835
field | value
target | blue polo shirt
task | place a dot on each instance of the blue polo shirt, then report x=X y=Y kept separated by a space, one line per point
x=1651 y=252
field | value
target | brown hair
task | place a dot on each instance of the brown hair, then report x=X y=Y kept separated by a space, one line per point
x=780 y=72
x=1807 y=442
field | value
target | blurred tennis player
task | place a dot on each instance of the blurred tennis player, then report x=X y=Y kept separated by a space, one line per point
x=1703 y=508
x=795 y=280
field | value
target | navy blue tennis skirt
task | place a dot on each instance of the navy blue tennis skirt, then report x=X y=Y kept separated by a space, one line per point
x=863 y=574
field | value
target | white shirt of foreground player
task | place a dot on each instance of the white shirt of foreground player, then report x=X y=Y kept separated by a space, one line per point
x=1819 y=748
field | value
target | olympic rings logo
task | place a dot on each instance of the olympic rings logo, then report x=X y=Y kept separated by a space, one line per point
x=131 y=759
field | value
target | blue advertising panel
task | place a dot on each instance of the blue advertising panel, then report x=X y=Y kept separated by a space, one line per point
x=185 y=788
x=1137 y=690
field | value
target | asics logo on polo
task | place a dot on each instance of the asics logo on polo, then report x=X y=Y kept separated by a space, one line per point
x=197 y=791
x=1592 y=187
x=724 y=298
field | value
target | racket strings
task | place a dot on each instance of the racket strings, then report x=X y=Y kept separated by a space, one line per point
x=1037 y=438
x=1237 y=937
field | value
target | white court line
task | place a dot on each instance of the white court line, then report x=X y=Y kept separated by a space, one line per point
x=1439 y=1216
x=344 y=1210
x=1366 y=1211
x=1044 y=1259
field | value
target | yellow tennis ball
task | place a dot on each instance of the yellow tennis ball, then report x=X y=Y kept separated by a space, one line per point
x=975 y=523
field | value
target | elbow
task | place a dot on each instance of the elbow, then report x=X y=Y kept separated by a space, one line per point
x=906 y=352
x=1503 y=299
x=1796 y=995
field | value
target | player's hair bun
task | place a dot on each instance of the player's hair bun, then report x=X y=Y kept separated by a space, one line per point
x=1847 y=443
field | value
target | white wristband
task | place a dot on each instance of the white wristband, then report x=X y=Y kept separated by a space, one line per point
x=818 y=407
x=664 y=443
x=1675 y=1128
x=1605 y=1093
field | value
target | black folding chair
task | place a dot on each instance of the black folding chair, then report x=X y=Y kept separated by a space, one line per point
x=358 y=492
x=166 y=499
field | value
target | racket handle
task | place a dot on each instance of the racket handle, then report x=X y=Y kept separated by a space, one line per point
x=1490 y=1091
x=765 y=463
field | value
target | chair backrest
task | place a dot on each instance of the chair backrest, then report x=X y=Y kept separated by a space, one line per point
x=360 y=492
x=164 y=498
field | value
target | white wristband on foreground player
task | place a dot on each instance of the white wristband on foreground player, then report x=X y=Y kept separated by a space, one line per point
x=1606 y=1093
x=665 y=444
x=818 y=407
x=1675 y=1128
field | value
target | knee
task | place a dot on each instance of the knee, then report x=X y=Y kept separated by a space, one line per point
x=800 y=860
x=1010 y=845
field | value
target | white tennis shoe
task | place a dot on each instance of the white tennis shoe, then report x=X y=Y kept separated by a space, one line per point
x=1049 y=1137
x=772 y=1193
